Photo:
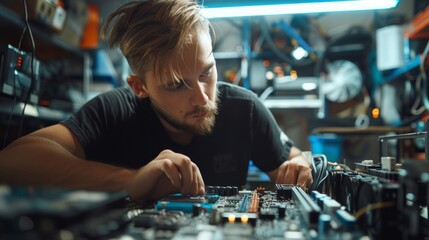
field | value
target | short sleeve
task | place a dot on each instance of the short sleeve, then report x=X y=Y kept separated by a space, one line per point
x=270 y=145
x=99 y=119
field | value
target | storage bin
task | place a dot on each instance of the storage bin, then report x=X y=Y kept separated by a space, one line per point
x=328 y=144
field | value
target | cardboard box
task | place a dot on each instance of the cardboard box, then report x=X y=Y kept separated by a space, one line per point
x=77 y=17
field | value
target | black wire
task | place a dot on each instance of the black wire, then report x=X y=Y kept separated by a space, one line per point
x=413 y=118
x=276 y=50
x=320 y=170
x=424 y=76
x=22 y=37
x=325 y=174
x=30 y=90
x=9 y=123
x=6 y=135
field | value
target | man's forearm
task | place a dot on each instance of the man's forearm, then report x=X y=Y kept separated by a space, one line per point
x=42 y=162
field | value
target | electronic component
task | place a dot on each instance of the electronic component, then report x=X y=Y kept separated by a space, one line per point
x=46 y=12
x=17 y=76
x=187 y=204
x=284 y=191
x=413 y=199
x=285 y=213
x=375 y=208
x=46 y=213
x=309 y=210
x=371 y=197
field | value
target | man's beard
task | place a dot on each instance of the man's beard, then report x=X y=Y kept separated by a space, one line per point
x=203 y=127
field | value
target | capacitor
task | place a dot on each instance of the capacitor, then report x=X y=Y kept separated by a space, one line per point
x=196 y=210
x=281 y=211
x=324 y=225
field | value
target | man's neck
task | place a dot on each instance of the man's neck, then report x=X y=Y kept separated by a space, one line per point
x=178 y=136
x=181 y=138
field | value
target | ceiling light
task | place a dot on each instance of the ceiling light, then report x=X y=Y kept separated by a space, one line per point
x=241 y=9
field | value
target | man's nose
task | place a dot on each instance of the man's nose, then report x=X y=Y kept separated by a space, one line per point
x=199 y=97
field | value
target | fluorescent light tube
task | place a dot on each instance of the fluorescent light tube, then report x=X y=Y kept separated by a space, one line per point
x=297 y=8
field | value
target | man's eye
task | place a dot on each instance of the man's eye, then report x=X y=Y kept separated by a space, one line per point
x=175 y=86
x=208 y=73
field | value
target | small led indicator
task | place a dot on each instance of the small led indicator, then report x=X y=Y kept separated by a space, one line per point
x=231 y=218
x=244 y=219
x=19 y=62
x=375 y=113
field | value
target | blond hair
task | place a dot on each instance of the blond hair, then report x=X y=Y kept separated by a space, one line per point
x=150 y=32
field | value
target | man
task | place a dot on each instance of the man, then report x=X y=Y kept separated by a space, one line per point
x=174 y=129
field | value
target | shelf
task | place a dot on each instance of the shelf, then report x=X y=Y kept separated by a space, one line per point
x=279 y=103
x=48 y=44
x=369 y=130
x=32 y=111
x=228 y=55
x=240 y=55
x=399 y=72
x=418 y=28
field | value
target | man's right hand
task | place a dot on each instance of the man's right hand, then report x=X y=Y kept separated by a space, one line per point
x=168 y=173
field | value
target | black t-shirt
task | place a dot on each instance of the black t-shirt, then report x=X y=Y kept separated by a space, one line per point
x=121 y=129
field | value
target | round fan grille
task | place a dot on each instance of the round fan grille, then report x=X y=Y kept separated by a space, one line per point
x=344 y=81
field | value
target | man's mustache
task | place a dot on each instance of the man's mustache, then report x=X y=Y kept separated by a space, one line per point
x=209 y=108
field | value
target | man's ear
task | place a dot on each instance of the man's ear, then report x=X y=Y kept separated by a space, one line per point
x=137 y=86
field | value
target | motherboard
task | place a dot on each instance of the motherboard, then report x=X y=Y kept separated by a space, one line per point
x=225 y=212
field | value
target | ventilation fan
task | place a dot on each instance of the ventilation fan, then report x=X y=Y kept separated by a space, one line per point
x=343 y=82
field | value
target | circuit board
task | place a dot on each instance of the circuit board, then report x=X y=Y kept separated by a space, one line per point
x=228 y=213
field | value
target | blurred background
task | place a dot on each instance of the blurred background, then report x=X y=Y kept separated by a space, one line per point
x=335 y=76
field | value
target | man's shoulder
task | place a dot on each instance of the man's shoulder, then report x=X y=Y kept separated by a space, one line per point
x=123 y=99
x=231 y=91
x=120 y=94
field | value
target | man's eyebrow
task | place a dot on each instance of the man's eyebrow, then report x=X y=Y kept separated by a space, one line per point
x=206 y=69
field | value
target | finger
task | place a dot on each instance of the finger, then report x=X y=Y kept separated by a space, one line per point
x=170 y=170
x=200 y=186
x=290 y=175
x=165 y=153
x=310 y=178
x=194 y=185
x=304 y=178
x=184 y=165
x=281 y=173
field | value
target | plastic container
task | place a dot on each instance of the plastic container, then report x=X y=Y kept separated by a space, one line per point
x=330 y=145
